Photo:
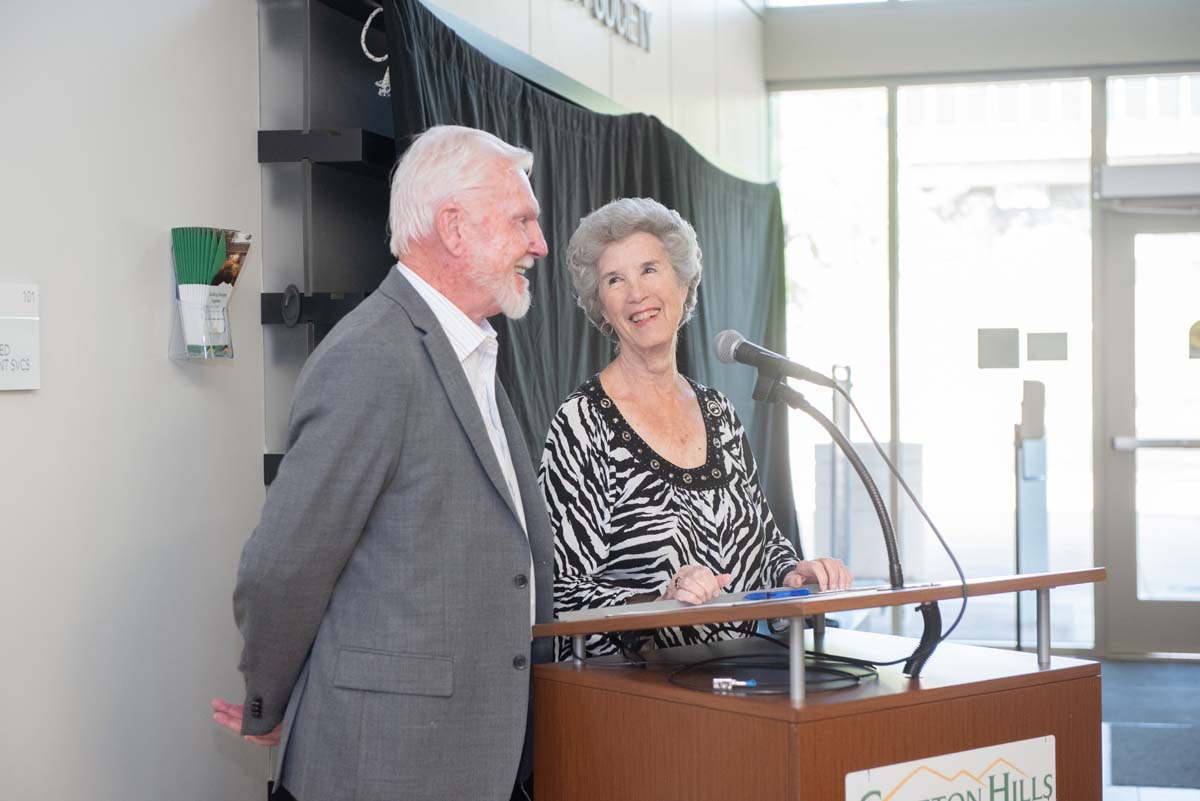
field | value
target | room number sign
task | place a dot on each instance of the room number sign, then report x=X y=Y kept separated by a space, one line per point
x=20 y=362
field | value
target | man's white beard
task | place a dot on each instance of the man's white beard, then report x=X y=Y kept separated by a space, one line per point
x=514 y=303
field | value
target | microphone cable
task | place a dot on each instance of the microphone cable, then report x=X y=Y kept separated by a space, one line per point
x=841 y=671
x=908 y=490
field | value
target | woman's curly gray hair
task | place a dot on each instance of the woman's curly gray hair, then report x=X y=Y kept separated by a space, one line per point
x=621 y=219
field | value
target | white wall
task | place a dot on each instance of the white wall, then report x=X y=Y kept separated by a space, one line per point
x=127 y=483
x=703 y=75
x=840 y=43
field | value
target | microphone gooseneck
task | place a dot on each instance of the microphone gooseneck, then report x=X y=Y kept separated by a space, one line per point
x=895 y=571
x=731 y=346
x=772 y=368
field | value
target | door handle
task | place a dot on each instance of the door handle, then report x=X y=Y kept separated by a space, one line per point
x=1133 y=443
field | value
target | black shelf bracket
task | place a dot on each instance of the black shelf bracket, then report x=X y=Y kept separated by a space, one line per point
x=355 y=9
x=352 y=149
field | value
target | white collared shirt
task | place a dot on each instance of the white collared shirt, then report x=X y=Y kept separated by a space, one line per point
x=477 y=349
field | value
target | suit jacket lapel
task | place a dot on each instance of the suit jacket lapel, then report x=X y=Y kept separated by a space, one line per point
x=454 y=381
x=537 y=520
x=531 y=493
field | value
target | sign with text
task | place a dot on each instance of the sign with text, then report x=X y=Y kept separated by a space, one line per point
x=627 y=18
x=1017 y=771
x=20 y=365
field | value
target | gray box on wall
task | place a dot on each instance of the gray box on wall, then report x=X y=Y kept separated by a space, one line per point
x=999 y=348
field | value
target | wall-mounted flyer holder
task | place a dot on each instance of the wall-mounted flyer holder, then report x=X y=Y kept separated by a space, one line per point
x=206 y=263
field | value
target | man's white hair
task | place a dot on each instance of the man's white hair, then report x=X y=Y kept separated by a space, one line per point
x=441 y=162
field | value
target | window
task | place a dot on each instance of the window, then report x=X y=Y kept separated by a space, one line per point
x=1167 y=381
x=995 y=236
x=1154 y=119
x=832 y=151
x=797 y=3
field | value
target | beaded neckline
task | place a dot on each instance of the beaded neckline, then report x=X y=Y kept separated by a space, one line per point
x=707 y=476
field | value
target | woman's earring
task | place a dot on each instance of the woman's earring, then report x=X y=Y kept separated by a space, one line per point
x=606 y=328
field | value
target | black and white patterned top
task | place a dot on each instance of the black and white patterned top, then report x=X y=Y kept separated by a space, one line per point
x=625 y=519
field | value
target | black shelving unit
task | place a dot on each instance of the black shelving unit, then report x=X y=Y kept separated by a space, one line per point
x=353 y=149
x=325 y=149
x=356 y=9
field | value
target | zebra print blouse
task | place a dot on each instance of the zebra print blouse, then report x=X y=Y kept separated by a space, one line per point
x=625 y=519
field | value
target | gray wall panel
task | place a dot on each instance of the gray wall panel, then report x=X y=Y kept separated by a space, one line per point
x=349 y=229
x=284 y=353
x=284 y=187
x=281 y=45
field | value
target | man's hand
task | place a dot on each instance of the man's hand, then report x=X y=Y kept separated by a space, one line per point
x=695 y=584
x=230 y=716
x=828 y=573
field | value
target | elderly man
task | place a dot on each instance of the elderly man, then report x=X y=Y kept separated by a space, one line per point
x=387 y=594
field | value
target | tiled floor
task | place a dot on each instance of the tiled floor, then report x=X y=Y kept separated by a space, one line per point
x=1119 y=793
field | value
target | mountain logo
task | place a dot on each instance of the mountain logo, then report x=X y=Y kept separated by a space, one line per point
x=1017 y=771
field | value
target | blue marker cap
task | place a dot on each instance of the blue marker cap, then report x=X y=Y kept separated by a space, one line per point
x=764 y=595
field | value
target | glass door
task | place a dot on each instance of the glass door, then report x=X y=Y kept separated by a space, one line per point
x=1148 y=437
x=995 y=306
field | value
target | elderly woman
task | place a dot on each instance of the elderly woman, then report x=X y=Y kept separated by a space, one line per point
x=652 y=490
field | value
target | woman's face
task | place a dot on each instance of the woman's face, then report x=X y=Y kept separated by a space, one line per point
x=640 y=294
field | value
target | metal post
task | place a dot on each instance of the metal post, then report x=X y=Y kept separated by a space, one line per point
x=893 y=233
x=819 y=625
x=1043 y=627
x=839 y=499
x=1032 y=520
x=796 y=660
x=578 y=650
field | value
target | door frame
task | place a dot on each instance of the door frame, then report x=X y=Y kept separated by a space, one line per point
x=1126 y=626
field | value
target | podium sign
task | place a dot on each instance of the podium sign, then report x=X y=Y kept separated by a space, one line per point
x=1018 y=771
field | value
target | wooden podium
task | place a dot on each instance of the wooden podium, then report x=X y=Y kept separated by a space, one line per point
x=603 y=730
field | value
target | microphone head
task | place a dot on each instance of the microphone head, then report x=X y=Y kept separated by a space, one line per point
x=726 y=344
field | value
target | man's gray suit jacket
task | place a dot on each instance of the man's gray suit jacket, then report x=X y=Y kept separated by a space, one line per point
x=384 y=596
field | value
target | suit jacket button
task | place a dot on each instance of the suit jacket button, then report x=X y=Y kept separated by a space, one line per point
x=519 y=662
x=256 y=707
x=521 y=580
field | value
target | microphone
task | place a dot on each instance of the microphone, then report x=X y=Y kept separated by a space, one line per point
x=732 y=347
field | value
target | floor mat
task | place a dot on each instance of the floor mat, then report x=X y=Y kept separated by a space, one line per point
x=1155 y=755
x=1151 y=692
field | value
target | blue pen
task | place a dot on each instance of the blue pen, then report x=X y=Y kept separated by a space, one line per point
x=765 y=595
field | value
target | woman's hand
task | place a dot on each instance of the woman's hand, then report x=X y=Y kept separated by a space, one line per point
x=695 y=584
x=828 y=573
